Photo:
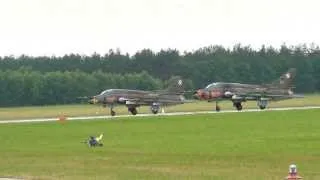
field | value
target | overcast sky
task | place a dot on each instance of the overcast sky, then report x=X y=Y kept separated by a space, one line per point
x=57 y=27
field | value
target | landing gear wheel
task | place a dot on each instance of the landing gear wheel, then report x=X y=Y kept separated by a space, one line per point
x=262 y=107
x=262 y=104
x=113 y=113
x=238 y=106
x=155 y=109
x=133 y=110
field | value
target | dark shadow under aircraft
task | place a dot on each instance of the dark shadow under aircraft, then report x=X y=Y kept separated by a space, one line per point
x=173 y=95
x=280 y=89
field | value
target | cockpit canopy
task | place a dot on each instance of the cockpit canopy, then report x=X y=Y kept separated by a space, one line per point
x=214 y=85
x=220 y=85
x=115 y=91
x=106 y=91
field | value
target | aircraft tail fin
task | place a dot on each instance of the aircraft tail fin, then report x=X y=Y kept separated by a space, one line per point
x=285 y=81
x=175 y=85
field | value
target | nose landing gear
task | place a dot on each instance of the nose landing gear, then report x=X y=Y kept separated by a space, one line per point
x=133 y=110
x=217 y=107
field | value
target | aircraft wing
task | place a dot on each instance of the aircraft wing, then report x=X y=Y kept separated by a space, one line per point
x=143 y=100
x=271 y=96
x=173 y=93
x=129 y=100
x=155 y=98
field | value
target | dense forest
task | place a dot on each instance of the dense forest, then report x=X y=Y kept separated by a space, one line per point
x=26 y=80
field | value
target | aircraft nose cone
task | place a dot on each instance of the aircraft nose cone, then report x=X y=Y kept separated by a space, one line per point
x=199 y=94
x=93 y=100
x=195 y=95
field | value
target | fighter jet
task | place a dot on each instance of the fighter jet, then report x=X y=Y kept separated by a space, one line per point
x=280 y=89
x=173 y=95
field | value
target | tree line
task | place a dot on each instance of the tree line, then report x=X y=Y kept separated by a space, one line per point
x=27 y=80
x=28 y=87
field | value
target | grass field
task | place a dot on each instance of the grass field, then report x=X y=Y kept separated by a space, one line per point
x=226 y=146
x=91 y=110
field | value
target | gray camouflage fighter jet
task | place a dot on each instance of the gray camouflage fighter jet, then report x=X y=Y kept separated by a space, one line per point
x=280 y=89
x=173 y=95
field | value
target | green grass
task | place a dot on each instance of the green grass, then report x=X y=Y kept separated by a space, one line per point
x=91 y=110
x=242 y=146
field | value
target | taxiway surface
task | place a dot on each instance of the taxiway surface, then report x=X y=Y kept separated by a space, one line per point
x=160 y=114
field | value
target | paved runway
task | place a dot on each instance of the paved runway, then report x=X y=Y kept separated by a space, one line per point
x=160 y=114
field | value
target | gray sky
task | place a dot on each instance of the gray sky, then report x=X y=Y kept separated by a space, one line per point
x=57 y=27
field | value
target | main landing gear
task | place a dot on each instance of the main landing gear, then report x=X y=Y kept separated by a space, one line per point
x=237 y=105
x=131 y=109
x=155 y=108
x=262 y=104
